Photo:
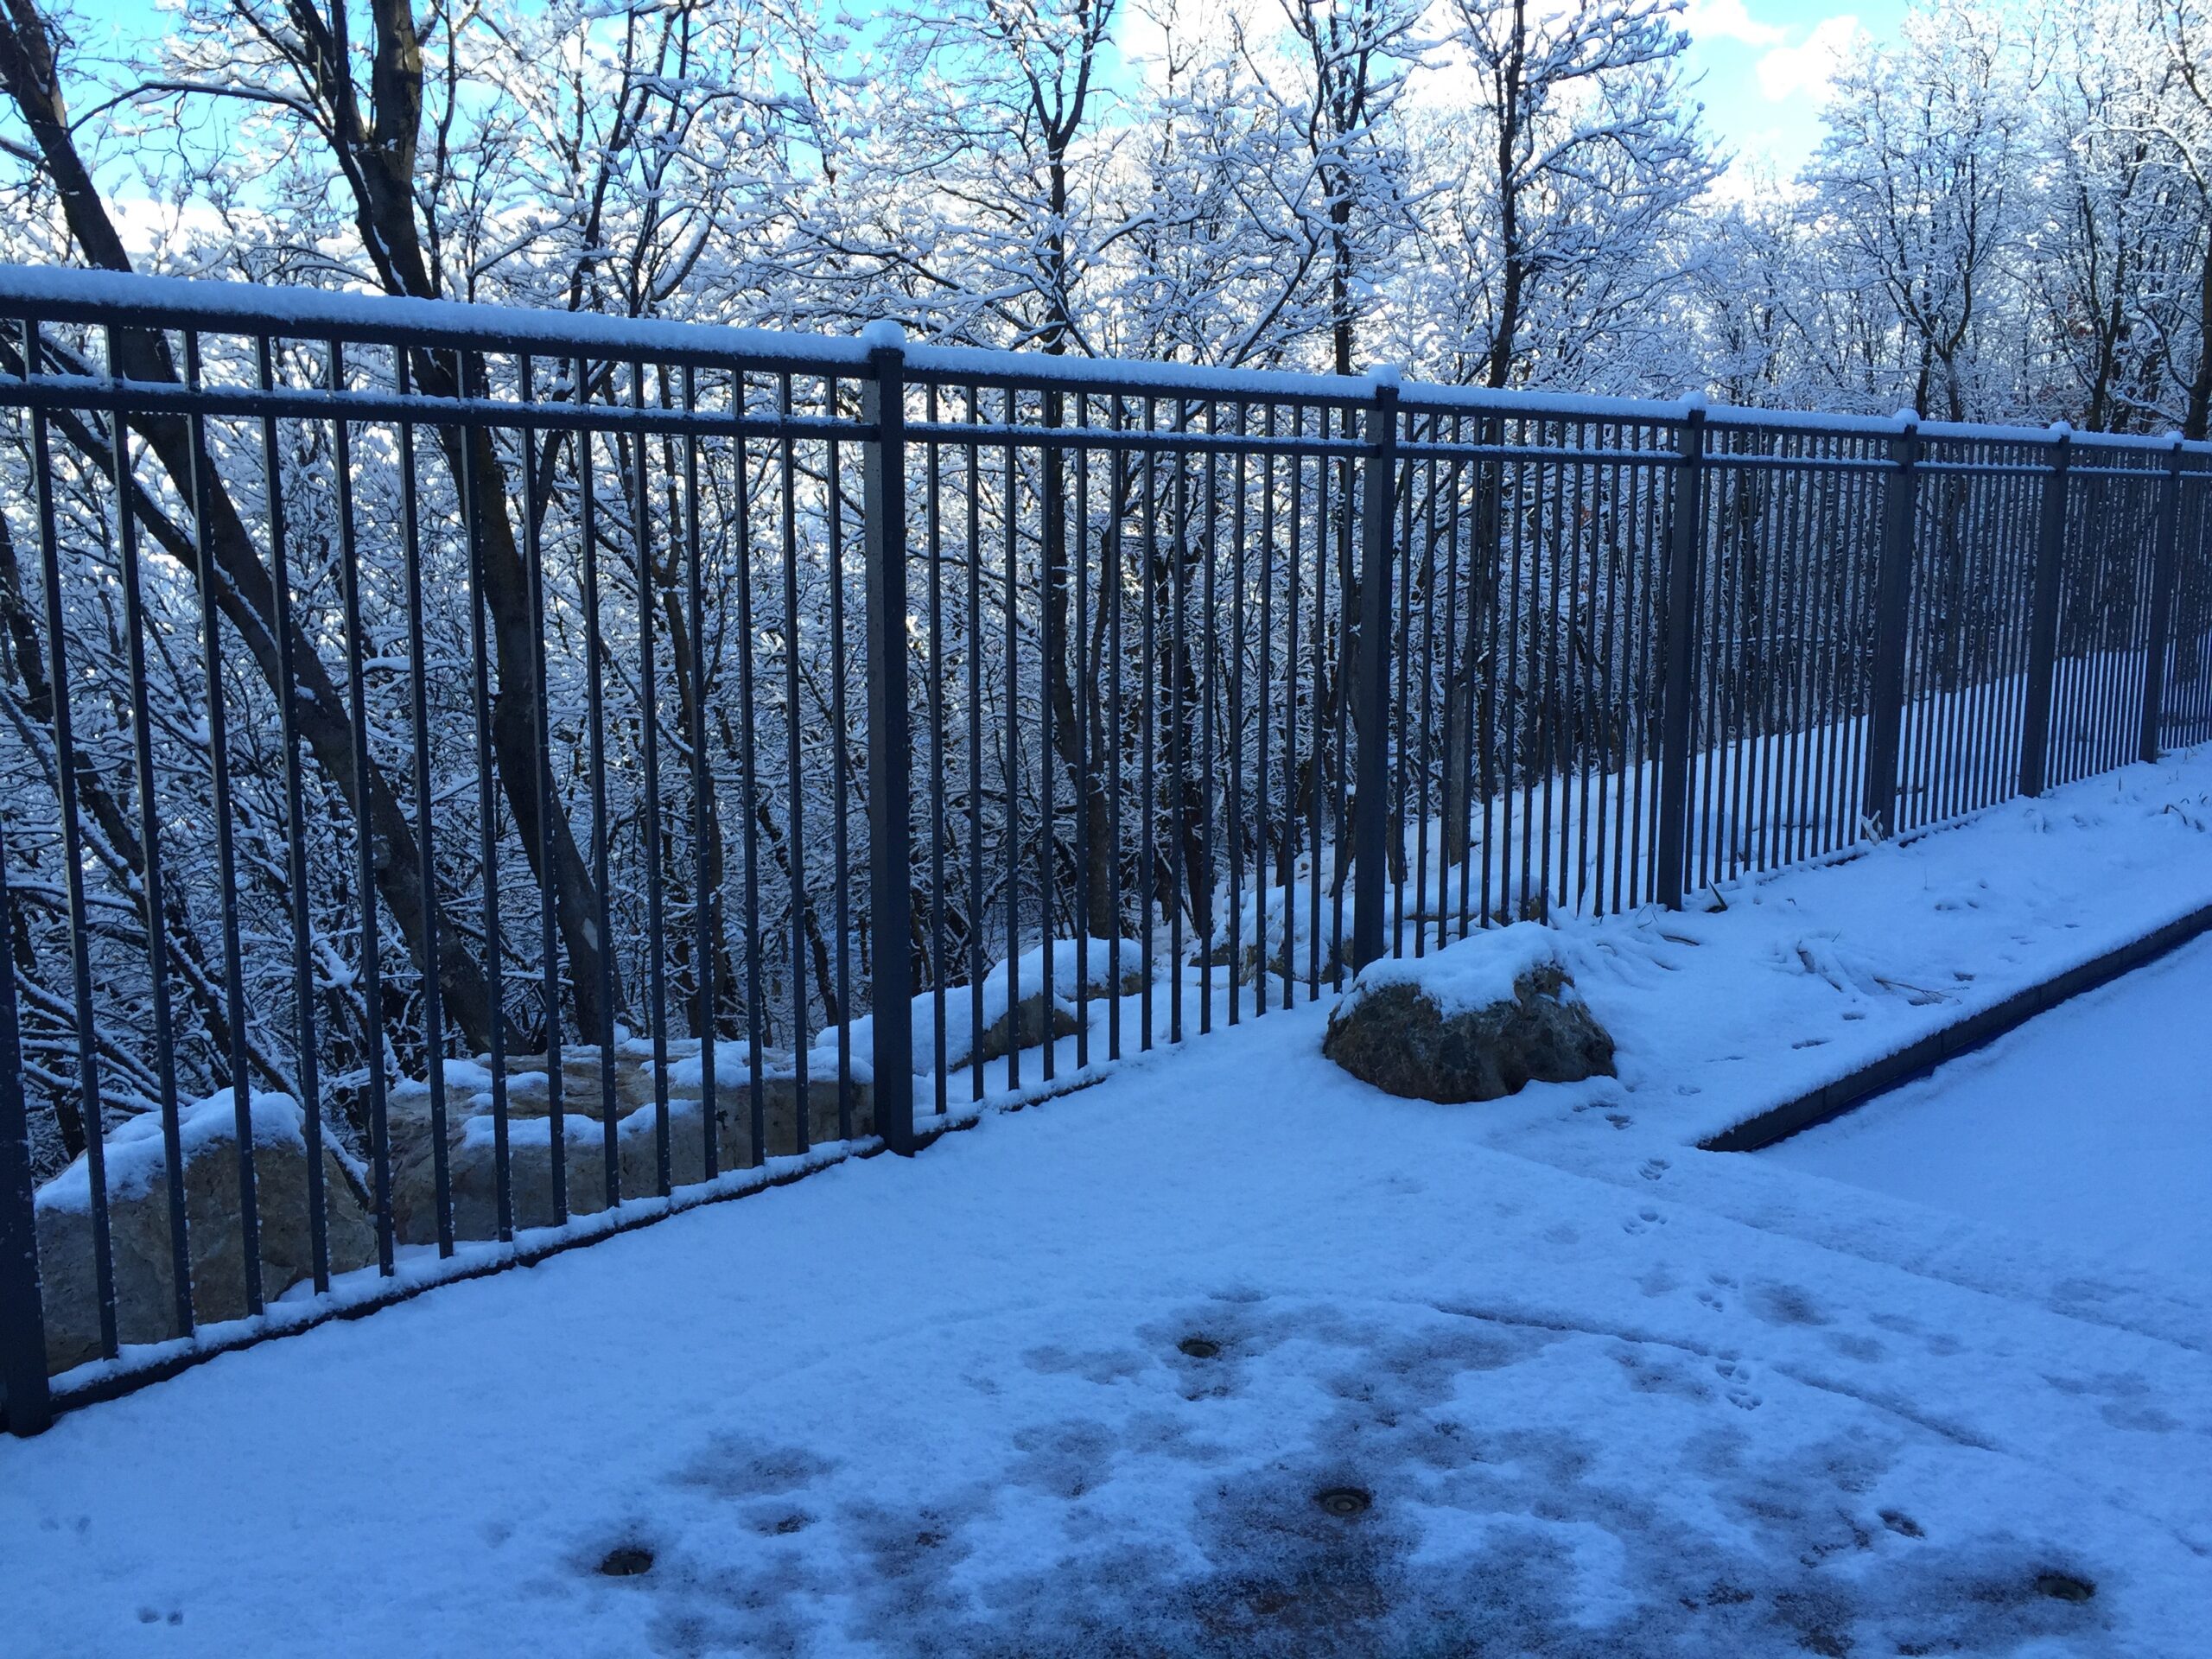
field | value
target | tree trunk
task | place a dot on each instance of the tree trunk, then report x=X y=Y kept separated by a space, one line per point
x=245 y=594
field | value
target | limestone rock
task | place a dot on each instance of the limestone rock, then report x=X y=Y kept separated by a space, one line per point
x=471 y=1152
x=138 y=1224
x=472 y=1148
x=1026 y=1022
x=1262 y=951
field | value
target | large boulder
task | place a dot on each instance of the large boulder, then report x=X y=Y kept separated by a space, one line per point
x=1480 y=1019
x=138 y=1223
x=472 y=1149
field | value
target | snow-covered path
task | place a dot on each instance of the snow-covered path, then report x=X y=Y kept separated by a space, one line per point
x=1071 y=1383
x=2094 y=1122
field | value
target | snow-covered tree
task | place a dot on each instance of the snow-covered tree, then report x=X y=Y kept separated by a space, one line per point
x=1558 y=157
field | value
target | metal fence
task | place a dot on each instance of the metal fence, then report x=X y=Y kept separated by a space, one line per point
x=563 y=767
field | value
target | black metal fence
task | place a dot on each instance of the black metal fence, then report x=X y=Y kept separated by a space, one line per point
x=563 y=767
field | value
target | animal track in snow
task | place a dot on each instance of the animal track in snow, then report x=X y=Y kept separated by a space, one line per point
x=1735 y=1376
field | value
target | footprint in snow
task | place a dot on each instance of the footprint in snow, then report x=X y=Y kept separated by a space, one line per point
x=1713 y=1299
x=1653 y=1169
x=1642 y=1220
x=1736 y=1377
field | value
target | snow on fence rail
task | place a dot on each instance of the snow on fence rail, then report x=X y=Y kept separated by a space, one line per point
x=450 y=721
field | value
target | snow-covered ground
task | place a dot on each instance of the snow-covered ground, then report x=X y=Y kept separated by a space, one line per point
x=2093 y=1124
x=1073 y=1383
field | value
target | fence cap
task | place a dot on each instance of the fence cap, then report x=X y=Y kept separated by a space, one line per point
x=1388 y=376
x=884 y=335
x=1907 y=418
x=2062 y=428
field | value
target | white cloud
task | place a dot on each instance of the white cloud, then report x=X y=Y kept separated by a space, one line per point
x=150 y=228
x=1727 y=20
x=1807 y=70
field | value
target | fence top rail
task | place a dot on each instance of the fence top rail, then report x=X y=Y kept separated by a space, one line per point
x=98 y=298
x=128 y=299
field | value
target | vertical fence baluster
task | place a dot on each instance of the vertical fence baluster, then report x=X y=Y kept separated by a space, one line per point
x=365 y=845
x=1296 y=470
x=1076 y=563
x=940 y=1067
x=434 y=1046
x=548 y=930
x=1892 y=595
x=295 y=853
x=1370 y=829
x=152 y=894
x=1180 y=879
x=649 y=744
x=23 y=1321
x=1147 y=706
x=2043 y=616
x=1399 y=712
x=1484 y=555
x=1010 y=754
x=974 y=716
x=2164 y=557
x=1236 y=713
x=1202 y=878
x=748 y=758
x=883 y=407
x=1344 y=543
x=794 y=805
x=1685 y=549
x=840 y=777
x=706 y=884
x=1052 y=562
x=595 y=749
x=1544 y=573
x=211 y=622
x=1263 y=868
x=1110 y=565
x=468 y=375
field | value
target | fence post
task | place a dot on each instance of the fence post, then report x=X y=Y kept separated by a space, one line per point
x=22 y=1319
x=2043 y=616
x=1684 y=551
x=1892 y=589
x=2165 y=555
x=1371 y=696
x=883 y=406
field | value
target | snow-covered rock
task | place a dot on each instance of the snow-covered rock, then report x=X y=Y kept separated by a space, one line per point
x=1277 y=938
x=138 y=1223
x=1103 y=968
x=1009 y=1025
x=472 y=1146
x=1481 y=1019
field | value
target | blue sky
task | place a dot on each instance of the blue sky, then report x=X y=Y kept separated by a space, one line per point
x=1762 y=63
